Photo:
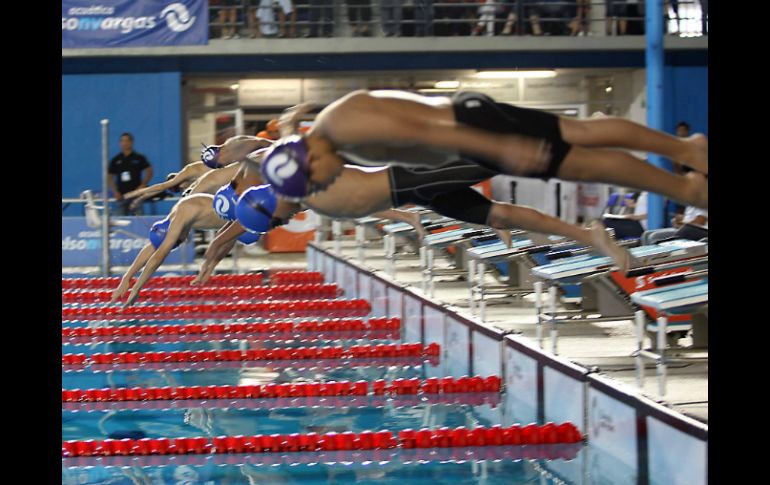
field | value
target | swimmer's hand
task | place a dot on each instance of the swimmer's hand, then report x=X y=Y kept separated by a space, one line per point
x=288 y=123
x=119 y=292
x=131 y=298
x=522 y=155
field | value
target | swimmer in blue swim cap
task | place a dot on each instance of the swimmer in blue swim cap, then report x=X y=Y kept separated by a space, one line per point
x=192 y=212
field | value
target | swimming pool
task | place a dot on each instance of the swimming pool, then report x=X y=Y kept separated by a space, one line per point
x=463 y=353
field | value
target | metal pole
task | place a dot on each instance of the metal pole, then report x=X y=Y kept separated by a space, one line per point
x=105 y=199
x=655 y=62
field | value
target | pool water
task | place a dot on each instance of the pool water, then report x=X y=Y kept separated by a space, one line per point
x=211 y=418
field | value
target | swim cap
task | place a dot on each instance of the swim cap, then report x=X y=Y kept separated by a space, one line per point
x=210 y=155
x=255 y=208
x=224 y=202
x=285 y=167
x=158 y=233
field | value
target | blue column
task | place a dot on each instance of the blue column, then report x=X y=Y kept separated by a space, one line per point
x=654 y=59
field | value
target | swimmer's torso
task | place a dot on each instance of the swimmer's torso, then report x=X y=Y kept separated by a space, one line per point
x=375 y=154
x=355 y=193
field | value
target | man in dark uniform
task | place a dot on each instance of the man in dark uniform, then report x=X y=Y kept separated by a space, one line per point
x=127 y=168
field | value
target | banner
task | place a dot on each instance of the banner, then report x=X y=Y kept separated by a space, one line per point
x=81 y=245
x=133 y=23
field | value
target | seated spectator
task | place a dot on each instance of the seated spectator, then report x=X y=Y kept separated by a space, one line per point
x=692 y=215
x=359 y=15
x=639 y=207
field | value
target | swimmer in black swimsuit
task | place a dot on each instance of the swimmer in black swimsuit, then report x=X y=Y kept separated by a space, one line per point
x=402 y=128
x=447 y=190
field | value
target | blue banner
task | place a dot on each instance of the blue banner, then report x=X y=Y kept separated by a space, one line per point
x=81 y=245
x=133 y=23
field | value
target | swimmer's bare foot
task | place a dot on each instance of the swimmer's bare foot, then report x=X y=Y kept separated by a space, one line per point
x=413 y=219
x=699 y=158
x=604 y=243
x=697 y=190
x=505 y=236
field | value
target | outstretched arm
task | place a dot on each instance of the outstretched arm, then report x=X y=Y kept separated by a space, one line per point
x=176 y=229
x=189 y=172
x=138 y=263
x=236 y=148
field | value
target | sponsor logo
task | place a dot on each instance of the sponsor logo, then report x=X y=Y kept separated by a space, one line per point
x=222 y=206
x=177 y=17
x=99 y=17
x=69 y=243
x=279 y=168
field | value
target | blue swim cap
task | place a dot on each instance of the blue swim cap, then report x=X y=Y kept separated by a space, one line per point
x=158 y=233
x=224 y=202
x=255 y=208
x=286 y=168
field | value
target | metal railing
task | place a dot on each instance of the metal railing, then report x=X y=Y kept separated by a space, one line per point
x=429 y=18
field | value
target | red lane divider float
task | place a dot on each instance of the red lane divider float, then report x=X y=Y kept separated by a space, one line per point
x=531 y=434
x=275 y=278
x=291 y=291
x=167 y=281
x=414 y=456
x=368 y=401
x=297 y=353
x=299 y=308
x=445 y=385
x=313 y=327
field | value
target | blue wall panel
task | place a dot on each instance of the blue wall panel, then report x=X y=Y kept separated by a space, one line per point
x=147 y=105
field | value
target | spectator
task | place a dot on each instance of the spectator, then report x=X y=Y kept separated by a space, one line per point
x=227 y=16
x=487 y=14
x=640 y=209
x=423 y=17
x=271 y=130
x=579 y=23
x=509 y=13
x=266 y=16
x=704 y=14
x=321 y=18
x=360 y=14
x=692 y=215
x=628 y=15
x=391 y=12
x=127 y=167
x=556 y=13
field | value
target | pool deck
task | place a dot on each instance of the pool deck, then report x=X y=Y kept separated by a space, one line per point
x=607 y=346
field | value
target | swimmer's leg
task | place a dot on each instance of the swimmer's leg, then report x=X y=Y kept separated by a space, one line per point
x=620 y=168
x=610 y=132
x=503 y=215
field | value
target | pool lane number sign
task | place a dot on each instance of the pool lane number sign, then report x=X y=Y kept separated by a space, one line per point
x=133 y=23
